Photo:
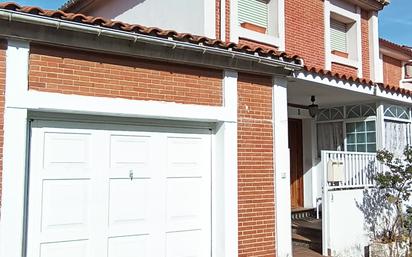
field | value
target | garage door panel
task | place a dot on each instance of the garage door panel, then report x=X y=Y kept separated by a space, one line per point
x=129 y=246
x=65 y=206
x=185 y=244
x=129 y=211
x=66 y=151
x=186 y=157
x=131 y=153
x=117 y=193
x=184 y=203
x=65 y=249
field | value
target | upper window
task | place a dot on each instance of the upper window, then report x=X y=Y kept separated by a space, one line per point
x=254 y=15
x=338 y=36
x=408 y=70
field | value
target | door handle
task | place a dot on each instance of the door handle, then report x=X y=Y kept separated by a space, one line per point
x=131 y=174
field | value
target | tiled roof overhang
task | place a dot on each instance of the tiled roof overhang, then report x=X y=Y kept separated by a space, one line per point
x=393 y=46
x=268 y=54
x=341 y=77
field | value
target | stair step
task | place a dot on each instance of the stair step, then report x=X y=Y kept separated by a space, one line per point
x=301 y=213
x=301 y=240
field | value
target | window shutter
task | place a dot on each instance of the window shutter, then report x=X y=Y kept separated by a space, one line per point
x=338 y=33
x=253 y=11
x=408 y=71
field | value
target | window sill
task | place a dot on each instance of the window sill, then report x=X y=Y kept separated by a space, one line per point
x=345 y=61
x=258 y=37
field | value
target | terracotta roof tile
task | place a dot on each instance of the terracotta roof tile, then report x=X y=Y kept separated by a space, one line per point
x=330 y=74
x=370 y=83
x=152 y=31
x=404 y=49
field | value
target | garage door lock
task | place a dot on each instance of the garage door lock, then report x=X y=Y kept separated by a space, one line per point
x=131 y=174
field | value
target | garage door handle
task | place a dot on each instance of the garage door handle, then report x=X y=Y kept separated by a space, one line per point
x=131 y=174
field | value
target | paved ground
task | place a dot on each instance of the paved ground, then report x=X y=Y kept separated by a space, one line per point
x=299 y=251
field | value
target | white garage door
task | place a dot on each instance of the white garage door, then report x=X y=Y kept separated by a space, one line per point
x=118 y=193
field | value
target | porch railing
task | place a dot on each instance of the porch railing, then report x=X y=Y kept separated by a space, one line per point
x=346 y=170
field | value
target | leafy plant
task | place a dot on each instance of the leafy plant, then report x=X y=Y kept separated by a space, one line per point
x=395 y=183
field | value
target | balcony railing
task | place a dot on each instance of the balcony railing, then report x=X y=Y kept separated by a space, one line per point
x=347 y=170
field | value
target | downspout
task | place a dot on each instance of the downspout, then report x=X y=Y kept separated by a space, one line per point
x=100 y=31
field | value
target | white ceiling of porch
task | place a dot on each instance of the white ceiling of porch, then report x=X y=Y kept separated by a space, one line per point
x=300 y=91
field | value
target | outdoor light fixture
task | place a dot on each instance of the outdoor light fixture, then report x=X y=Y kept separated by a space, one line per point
x=313 y=108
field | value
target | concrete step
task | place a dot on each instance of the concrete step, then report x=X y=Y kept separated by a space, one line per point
x=307 y=232
x=303 y=241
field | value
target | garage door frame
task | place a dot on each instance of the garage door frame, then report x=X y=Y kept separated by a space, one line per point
x=19 y=102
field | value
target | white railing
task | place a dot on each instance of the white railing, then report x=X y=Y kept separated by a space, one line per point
x=343 y=171
x=346 y=170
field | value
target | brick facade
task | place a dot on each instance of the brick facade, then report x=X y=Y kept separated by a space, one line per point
x=392 y=70
x=304 y=25
x=343 y=69
x=3 y=47
x=255 y=167
x=75 y=72
x=366 y=70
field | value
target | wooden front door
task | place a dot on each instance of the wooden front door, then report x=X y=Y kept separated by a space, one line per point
x=296 y=162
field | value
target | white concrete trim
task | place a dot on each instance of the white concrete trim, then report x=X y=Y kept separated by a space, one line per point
x=393 y=96
x=375 y=66
x=14 y=153
x=282 y=168
x=223 y=20
x=380 y=128
x=281 y=26
x=225 y=236
x=345 y=61
x=233 y=22
x=210 y=18
x=54 y=102
x=334 y=82
x=328 y=48
x=259 y=37
x=359 y=41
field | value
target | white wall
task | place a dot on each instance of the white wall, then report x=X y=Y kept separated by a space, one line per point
x=347 y=235
x=188 y=16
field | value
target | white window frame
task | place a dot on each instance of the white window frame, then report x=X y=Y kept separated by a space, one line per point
x=354 y=120
x=339 y=12
x=275 y=35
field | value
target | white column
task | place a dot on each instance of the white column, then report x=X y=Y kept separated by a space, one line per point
x=326 y=17
x=375 y=64
x=223 y=20
x=225 y=181
x=359 y=41
x=282 y=168
x=380 y=127
x=281 y=25
x=14 y=152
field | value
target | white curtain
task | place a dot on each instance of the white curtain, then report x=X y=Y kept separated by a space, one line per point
x=397 y=136
x=330 y=136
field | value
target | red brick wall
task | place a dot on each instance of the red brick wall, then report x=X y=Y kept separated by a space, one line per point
x=392 y=70
x=304 y=26
x=75 y=72
x=227 y=24
x=3 y=47
x=255 y=167
x=218 y=15
x=365 y=15
x=255 y=44
x=343 y=69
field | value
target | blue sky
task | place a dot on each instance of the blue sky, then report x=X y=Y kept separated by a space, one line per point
x=395 y=21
